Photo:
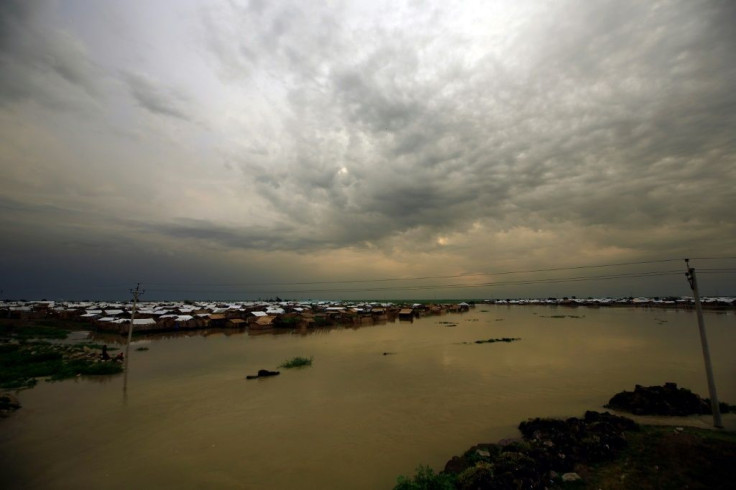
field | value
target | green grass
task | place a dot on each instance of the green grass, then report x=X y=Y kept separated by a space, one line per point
x=297 y=362
x=426 y=479
x=289 y=321
x=661 y=457
x=86 y=368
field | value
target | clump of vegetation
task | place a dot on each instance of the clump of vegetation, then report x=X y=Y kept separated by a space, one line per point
x=84 y=367
x=426 y=479
x=288 y=321
x=320 y=321
x=297 y=362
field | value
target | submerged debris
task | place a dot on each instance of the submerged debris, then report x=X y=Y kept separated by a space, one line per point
x=263 y=373
x=561 y=316
x=491 y=341
x=448 y=324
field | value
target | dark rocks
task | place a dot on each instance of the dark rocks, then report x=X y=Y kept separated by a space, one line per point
x=263 y=373
x=8 y=404
x=550 y=447
x=663 y=400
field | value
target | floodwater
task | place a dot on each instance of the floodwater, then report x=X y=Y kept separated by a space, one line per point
x=356 y=418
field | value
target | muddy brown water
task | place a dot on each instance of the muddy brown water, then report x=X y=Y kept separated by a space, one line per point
x=356 y=418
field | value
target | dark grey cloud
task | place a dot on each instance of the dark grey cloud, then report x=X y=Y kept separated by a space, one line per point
x=274 y=238
x=42 y=64
x=156 y=97
x=406 y=134
x=614 y=108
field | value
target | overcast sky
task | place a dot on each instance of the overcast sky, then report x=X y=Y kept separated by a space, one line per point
x=238 y=149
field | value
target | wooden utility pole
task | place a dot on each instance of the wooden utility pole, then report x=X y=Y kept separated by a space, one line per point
x=135 y=292
x=704 y=343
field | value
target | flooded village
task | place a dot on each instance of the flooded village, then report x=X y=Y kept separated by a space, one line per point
x=263 y=316
x=390 y=386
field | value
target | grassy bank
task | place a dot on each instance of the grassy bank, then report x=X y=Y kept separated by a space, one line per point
x=664 y=458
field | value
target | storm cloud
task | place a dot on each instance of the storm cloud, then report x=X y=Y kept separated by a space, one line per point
x=363 y=140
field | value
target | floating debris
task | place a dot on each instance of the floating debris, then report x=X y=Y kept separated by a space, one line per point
x=492 y=341
x=562 y=316
x=263 y=373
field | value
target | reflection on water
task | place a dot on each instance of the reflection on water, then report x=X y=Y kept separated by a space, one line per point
x=356 y=418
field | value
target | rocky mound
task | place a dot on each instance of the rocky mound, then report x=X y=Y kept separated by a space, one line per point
x=549 y=451
x=663 y=400
x=8 y=404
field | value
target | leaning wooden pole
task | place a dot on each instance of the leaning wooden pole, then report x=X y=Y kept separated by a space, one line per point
x=135 y=293
x=704 y=344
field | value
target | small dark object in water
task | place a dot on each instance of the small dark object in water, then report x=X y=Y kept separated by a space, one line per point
x=491 y=341
x=263 y=373
x=389 y=353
